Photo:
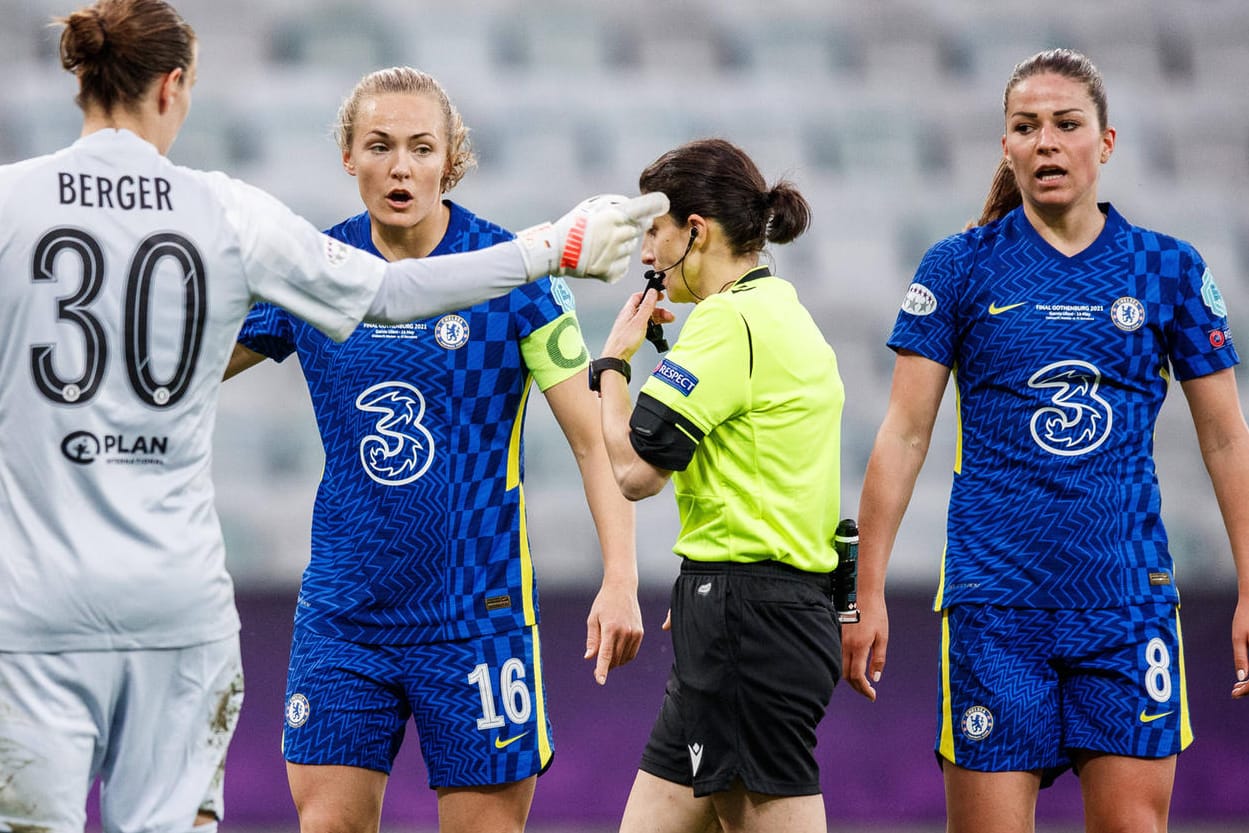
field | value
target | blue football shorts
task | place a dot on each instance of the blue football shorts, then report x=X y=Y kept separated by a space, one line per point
x=1024 y=689
x=478 y=705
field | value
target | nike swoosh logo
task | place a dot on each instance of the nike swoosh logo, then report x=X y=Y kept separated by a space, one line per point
x=1150 y=718
x=994 y=309
x=500 y=743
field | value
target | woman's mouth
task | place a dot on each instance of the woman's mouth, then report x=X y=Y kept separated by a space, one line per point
x=399 y=198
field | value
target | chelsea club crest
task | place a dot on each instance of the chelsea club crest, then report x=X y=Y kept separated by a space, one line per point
x=977 y=723
x=297 y=711
x=1128 y=314
x=451 y=332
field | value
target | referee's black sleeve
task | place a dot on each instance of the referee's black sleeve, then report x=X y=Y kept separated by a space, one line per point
x=661 y=436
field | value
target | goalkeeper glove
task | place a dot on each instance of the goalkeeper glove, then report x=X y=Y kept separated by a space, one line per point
x=594 y=240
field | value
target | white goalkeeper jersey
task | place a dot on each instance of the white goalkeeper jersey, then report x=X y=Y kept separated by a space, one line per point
x=123 y=282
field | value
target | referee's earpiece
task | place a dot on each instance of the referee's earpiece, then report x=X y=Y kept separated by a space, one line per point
x=693 y=232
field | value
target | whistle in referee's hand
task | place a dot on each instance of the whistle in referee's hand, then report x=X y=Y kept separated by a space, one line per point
x=846 y=576
x=655 y=330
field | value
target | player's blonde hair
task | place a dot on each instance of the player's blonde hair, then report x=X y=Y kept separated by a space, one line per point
x=408 y=80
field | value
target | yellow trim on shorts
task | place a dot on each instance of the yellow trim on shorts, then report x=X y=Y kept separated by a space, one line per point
x=946 y=745
x=545 y=752
x=1186 y=721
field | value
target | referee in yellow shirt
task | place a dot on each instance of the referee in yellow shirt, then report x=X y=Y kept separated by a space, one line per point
x=744 y=416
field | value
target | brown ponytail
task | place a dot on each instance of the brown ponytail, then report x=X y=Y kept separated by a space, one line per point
x=117 y=48
x=716 y=179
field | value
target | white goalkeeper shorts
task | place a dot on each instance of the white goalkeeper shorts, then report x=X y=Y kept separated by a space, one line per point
x=151 y=725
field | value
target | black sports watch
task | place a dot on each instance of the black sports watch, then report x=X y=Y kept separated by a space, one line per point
x=597 y=366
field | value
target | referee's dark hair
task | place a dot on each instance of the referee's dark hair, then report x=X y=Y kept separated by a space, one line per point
x=716 y=179
x=117 y=48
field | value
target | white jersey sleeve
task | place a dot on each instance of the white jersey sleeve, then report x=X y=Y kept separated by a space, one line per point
x=288 y=262
x=124 y=280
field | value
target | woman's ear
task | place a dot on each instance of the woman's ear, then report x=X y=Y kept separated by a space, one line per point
x=698 y=229
x=171 y=86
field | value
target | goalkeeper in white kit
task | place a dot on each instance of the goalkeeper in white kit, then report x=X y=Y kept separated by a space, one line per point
x=125 y=281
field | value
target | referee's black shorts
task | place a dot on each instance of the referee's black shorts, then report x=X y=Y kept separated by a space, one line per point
x=756 y=653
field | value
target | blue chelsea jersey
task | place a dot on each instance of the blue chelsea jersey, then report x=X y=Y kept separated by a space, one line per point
x=418 y=531
x=1061 y=365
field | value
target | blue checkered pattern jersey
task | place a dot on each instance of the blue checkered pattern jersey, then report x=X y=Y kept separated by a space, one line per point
x=1061 y=365
x=418 y=531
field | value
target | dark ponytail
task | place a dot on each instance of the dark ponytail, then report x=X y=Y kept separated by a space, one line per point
x=716 y=179
x=117 y=48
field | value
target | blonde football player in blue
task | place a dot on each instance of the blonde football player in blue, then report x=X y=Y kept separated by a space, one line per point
x=1063 y=325
x=744 y=417
x=420 y=600
x=126 y=278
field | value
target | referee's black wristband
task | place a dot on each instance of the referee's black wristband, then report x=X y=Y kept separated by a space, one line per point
x=597 y=366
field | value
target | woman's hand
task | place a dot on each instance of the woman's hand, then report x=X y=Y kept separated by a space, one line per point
x=630 y=327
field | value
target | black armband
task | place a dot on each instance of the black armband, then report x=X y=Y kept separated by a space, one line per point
x=661 y=436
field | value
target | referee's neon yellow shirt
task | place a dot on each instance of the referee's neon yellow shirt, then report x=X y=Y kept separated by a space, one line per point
x=753 y=371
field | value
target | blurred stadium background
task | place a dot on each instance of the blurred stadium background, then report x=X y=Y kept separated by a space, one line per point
x=886 y=114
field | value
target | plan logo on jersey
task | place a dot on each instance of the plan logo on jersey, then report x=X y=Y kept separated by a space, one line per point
x=1128 y=314
x=81 y=447
x=85 y=448
x=297 y=710
x=451 y=332
x=977 y=723
x=1077 y=419
x=1211 y=295
x=919 y=300
x=402 y=448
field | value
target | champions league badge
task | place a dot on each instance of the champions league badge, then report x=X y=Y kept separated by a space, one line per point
x=297 y=711
x=1128 y=314
x=919 y=300
x=451 y=332
x=977 y=723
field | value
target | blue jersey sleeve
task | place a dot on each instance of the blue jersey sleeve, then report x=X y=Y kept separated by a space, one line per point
x=927 y=321
x=1200 y=339
x=268 y=330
